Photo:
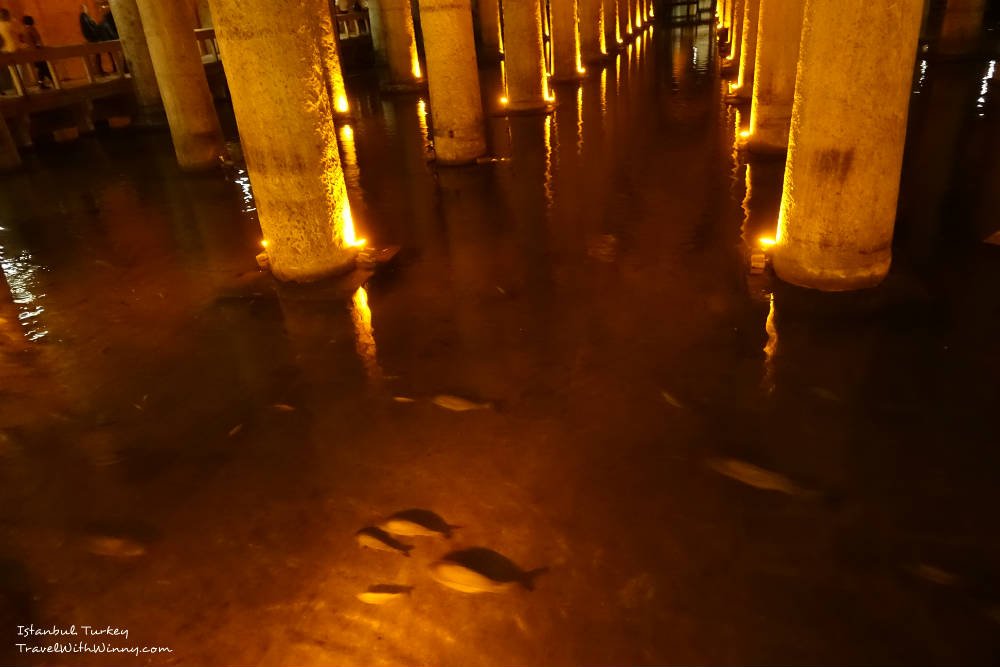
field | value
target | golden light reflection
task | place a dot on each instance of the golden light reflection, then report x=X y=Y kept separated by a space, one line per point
x=579 y=120
x=504 y=100
x=767 y=241
x=342 y=106
x=348 y=232
x=21 y=274
x=770 y=348
x=264 y=243
x=604 y=90
x=549 y=194
x=364 y=334
x=417 y=74
x=425 y=131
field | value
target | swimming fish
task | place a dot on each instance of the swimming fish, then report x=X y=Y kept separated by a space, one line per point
x=403 y=399
x=480 y=570
x=934 y=574
x=376 y=538
x=458 y=404
x=757 y=477
x=671 y=400
x=116 y=547
x=417 y=522
x=383 y=593
x=283 y=407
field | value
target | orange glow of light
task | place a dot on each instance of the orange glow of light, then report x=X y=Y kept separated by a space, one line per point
x=417 y=74
x=580 y=69
x=350 y=235
x=767 y=241
x=504 y=100
x=264 y=243
x=744 y=134
x=348 y=133
x=342 y=106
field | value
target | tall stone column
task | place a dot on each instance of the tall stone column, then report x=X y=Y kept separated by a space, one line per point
x=9 y=157
x=612 y=38
x=140 y=64
x=453 y=80
x=624 y=19
x=194 y=126
x=332 y=70
x=400 y=45
x=841 y=186
x=288 y=135
x=524 y=57
x=778 y=36
x=743 y=89
x=962 y=27
x=592 y=45
x=489 y=29
x=732 y=61
x=566 y=64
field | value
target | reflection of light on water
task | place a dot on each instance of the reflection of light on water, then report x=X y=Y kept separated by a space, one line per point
x=579 y=120
x=425 y=132
x=348 y=232
x=770 y=349
x=342 y=106
x=21 y=274
x=604 y=90
x=364 y=334
x=243 y=181
x=548 y=162
x=985 y=87
x=349 y=155
x=923 y=75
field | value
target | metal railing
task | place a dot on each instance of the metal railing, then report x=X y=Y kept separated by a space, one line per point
x=24 y=76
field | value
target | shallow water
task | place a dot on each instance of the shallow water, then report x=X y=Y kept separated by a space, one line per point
x=157 y=389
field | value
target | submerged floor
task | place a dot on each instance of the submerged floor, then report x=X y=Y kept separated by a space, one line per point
x=593 y=289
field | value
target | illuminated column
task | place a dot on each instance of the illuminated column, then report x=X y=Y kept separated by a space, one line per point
x=289 y=140
x=400 y=45
x=565 y=41
x=332 y=70
x=778 y=36
x=140 y=64
x=844 y=158
x=374 y=28
x=723 y=18
x=743 y=88
x=612 y=41
x=524 y=58
x=962 y=27
x=624 y=19
x=194 y=126
x=9 y=157
x=489 y=28
x=592 y=48
x=453 y=80
x=736 y=36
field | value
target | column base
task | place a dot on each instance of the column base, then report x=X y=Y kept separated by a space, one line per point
x=571 y=78
x=526 y=109
x=796 y=272
x=736 y=99
x=762 y=148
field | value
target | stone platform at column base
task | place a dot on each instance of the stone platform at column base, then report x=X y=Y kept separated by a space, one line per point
x=796 y=272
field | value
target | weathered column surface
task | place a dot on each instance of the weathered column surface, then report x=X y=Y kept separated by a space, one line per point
x=400 y=45
x=778 y=35
x=140 y=63
x=612 y=37
x=453 y=80
x=962 y=27
x=841 y=185
x=194 y=126
x=592 y=45
x=743 y=89
x=489 y=29
x=565 y=41
x=9 y=157
x=624 y=19
x=524 y=58
x=287 y=132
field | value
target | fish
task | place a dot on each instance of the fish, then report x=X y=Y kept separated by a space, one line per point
x=458 y=404
x=375 y=538
x=480 y=570
x=234 y=430
x=383 y=593
x=934 y=574
x=116 y=547
x=417 y=522
x=671 y=400
x=403 y=399
x=283 y=407
x=757 y=477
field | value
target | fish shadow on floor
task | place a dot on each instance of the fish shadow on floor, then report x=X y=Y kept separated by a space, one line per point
x=494 y=566
x=432 y=521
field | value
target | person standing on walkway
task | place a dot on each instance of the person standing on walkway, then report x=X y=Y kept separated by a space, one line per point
x=8 y=44
x=34 y=41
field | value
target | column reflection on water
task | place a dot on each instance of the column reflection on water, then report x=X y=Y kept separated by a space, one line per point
x=762 y=202
x=364 y=336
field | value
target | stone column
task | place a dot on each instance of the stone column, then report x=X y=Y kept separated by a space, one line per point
x=140 y=64
x=841 y=187
x=743 y=88
x=566 y=64
x=489 y=29
x=9 y=157
x=736 y=36
x=332 y=70
x=962 y=27
x=375 y=27
x=453 y=80
x=400 y=45
x=592 y=46
x=778 y=36
x=624 y=20
x=194 y=126
x=524 y=57
x=288 y=135
x=612 y=39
